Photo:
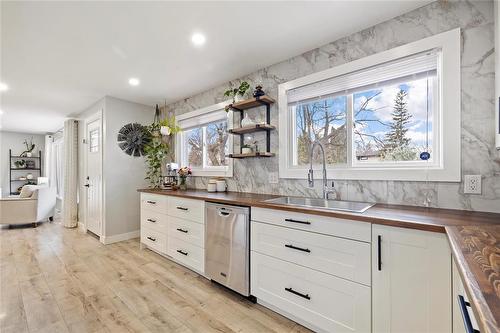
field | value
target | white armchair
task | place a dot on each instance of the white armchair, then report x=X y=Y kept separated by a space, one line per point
x=33 y=209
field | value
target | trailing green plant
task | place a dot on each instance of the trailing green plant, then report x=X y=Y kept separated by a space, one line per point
x=157 y=150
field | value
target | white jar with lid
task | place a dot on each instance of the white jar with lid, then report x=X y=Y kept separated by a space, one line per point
x=221 y=186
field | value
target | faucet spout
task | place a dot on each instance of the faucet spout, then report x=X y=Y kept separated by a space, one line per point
x=310 y=174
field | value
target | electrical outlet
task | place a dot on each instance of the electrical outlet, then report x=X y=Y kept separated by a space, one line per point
x=472 y=184
x=273 y=178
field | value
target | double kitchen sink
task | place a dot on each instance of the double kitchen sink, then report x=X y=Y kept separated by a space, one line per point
x=339 y=205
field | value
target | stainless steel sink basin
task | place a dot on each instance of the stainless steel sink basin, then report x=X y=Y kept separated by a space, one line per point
x=347 y=206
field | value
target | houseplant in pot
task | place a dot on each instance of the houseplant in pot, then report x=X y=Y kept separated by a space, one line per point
x=235 y=92
x=157 y=149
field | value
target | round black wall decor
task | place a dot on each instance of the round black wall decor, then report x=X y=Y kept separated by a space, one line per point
x=132 y=138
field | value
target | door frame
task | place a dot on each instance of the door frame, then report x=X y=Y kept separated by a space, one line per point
x=90 y=119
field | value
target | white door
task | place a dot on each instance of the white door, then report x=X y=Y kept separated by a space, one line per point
x=411 y=281
x=94 y=177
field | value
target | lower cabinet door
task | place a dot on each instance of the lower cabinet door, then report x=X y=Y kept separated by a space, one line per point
x=411 y=281
x=187 y=254
x=327 y=303
x=154 y=239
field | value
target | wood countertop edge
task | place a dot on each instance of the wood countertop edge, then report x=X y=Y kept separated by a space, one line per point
x=482 y=311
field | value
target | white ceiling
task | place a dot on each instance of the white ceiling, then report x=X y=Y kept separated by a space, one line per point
x=60 y=57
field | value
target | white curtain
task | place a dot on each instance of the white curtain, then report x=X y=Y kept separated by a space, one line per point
x=70 y=178
x=54 y=161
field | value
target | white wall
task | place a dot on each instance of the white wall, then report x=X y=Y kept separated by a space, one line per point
x=15 y=141
x=122 y=174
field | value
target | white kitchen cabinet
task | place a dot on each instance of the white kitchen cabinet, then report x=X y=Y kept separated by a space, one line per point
x=321 y=301
x=411 y=281
x=459 y=290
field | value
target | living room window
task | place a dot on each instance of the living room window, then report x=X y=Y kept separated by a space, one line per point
x=204 y=142
x=393 y=115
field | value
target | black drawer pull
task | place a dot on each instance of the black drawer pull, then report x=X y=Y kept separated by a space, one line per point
x=297 y=221
x=306 y=296
x=379 y=252
x=290 y=246
x=182 y=230
x=152 y=239
x=151 y=220
x=181 y=208
x=151 y=202
x=182 y=252
x=465 y=315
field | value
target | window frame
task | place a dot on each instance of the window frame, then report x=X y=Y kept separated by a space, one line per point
x=204 y=117
x=447 y=114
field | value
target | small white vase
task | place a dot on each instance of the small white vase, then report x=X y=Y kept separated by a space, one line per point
x=246 y=121
x=245 y=150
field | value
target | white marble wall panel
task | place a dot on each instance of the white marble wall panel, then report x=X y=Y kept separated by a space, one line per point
x=475 y=18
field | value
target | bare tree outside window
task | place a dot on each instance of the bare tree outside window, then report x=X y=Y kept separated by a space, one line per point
x=217 y=144
x=323 y=120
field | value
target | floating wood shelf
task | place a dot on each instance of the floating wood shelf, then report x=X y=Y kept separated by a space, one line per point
x=28 y=169
x=260 y=154
x=251 y=103
x=24 y=156
x=252 y=128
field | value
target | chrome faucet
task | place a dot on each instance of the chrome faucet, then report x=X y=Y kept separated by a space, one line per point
x=310 y=175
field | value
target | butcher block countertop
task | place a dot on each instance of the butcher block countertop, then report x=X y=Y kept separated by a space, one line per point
x=474 y=238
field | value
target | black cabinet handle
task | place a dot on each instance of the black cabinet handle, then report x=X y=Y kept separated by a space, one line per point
x=182 y=230
x=297 y=221
x=152 y=239
x=379 y=252
x=306 y=296
x=151 y=220
x=151 y=202
x=182 y=252
x=182 y=208
x=465 y=315
x=290 y=246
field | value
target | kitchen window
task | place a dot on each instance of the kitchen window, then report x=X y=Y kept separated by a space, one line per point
x=204 y=142
x=394 y=115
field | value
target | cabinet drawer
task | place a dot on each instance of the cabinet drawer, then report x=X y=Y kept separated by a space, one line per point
x=154 y=239
x=187 y=254
x=325 y=225
x=187 y=231
x=189 y=209
x=341 y=257
x=326 y=302
x=154 y=202
x=153 y=220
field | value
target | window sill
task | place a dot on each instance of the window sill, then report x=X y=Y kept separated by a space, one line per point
x=212 y=173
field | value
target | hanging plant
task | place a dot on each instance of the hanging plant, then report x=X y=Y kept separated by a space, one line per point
x=157 y=149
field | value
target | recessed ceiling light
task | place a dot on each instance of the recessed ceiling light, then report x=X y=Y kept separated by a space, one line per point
x=198 y=39
x=1 y=112
x=133 y=81
x=3 y=87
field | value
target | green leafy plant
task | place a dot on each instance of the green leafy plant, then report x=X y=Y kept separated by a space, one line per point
x=157 y=150
x=241 y=90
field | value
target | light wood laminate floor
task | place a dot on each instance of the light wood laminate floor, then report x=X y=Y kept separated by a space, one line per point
x=58 y=280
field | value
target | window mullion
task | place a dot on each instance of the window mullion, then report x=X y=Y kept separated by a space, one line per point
x=350 y=125
x=204 y=145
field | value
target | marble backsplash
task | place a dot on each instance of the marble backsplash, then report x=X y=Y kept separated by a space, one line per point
x=479 y=156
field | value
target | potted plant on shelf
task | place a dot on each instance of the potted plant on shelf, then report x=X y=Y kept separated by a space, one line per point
x=183 y=172
x=235 y=92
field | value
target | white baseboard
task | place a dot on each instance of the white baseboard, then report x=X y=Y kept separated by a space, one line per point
x=120 y=237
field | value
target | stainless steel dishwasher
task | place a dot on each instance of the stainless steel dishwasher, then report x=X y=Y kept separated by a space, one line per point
x=227 y=246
